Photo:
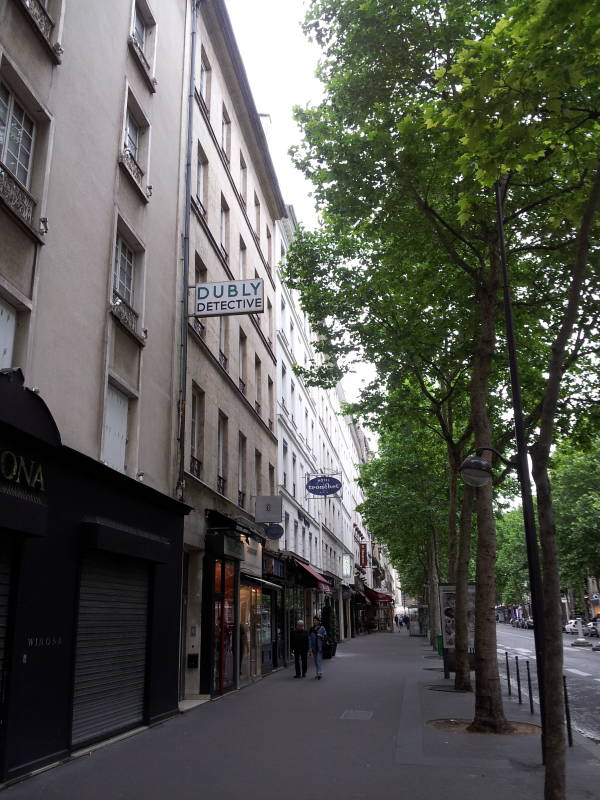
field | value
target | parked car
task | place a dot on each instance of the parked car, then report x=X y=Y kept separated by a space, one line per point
x=592 y=629
x=529 y=624
x=572 y=626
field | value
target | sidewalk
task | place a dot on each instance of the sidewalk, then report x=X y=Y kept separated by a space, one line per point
x=359 y=733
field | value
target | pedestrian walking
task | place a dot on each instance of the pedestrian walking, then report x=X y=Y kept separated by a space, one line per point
x=407 y=622
x=299 y=648
x=317 y=637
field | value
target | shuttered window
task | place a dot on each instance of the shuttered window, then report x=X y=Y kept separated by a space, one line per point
x=8 y=324
x=114 y=440
x=110 y=661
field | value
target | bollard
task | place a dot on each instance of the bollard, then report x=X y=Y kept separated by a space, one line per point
x=518 y=679
x=529 y=686
x=508 y=674
x=567 y=713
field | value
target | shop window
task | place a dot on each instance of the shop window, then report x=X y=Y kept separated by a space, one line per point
x=8 y=326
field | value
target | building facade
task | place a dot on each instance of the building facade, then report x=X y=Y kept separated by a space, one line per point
x=90 y=535
x=229 y=628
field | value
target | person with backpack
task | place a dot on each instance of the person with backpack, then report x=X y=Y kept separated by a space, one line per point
x=317 y=638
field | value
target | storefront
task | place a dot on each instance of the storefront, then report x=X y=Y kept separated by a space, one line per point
x=359 y=610
x=382 y=610
x=90 y=572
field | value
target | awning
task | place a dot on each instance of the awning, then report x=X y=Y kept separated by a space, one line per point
x=262 y=581
x=360 y=597
x=322 y=584
x=378 y=597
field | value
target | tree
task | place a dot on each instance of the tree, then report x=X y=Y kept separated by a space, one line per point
x=576 y=495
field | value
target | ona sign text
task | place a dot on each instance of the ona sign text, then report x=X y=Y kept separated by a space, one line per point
x=229 y=297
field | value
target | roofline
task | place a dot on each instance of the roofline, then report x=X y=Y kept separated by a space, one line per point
x=242 y=78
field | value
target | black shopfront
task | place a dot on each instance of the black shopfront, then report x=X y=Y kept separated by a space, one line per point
x=90 y=578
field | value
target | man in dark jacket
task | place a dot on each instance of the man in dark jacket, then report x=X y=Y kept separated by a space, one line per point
x=300 y=649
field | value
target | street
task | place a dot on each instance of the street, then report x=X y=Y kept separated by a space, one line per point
x=581 y=668
x=362 y=732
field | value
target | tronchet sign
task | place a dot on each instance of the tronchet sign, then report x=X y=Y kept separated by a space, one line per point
x=229 y=297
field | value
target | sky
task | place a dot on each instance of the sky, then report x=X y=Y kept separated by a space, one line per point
x=280 y=63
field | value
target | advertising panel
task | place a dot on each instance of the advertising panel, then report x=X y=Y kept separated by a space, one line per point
x=447 y=593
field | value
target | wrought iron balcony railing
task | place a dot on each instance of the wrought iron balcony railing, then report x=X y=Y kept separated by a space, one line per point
x=221 y=484
x=124 y=312
x=16 y=196
x=195 y=467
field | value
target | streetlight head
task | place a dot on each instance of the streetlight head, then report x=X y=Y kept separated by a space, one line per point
x=476 y=471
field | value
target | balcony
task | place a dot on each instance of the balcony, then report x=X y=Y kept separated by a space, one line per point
x=133 y=170
x=137 y=50
x=43 y=25
x=221 y=484
x=16 y=196
x=241 y=499
x=195 y=467
x=124 y=313
x=223 y=360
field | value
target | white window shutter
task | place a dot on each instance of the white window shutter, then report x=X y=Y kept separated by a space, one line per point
x=115 y=428
x=8 y=324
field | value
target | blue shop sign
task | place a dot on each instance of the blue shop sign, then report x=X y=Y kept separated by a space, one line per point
x=323 y=485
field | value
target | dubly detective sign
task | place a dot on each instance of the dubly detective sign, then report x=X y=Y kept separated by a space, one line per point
x=229 y=297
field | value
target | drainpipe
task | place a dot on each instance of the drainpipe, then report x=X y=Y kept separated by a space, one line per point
x=186 y=259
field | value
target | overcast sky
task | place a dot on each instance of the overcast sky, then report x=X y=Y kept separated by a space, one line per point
x=280 y=63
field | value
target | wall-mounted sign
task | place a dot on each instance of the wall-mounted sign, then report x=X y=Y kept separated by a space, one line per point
x=347 y=565
x=323 y=485
x=363 y=554
x=17 y=468
x=229 y=297
x=273 y=531
x=269 y=509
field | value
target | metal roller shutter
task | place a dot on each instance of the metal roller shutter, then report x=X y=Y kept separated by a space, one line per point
x=110 y=660
x=4 y=592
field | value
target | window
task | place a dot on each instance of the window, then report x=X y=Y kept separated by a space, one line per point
x=8 y=325
x=139 y=29
x=16 y=136
x=258 y=383
x=271 y=480
x=223 y=340
x=242 y=259
x=285 y=463
x=134 y=154
x=226 y=134
x=124 y=271
x=201 y=276
x=201 y=179
x=243 y=179
x=242 y=361
x=294 y=474
x=242 y=471
x=270 y=399
x=256 y=215
x=197 y=432
x=222 y=453
x=205 y=76
x=270 y=322
x=224 y=228
x=269 y=247
x=258 y=472
x=114 y=434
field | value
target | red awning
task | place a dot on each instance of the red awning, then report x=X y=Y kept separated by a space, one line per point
x=322 y=584
x=378 y=597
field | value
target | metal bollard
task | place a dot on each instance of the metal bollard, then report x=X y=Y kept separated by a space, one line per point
x=508 y=675
x=529 y=686
x=518 y=679
x=567 y=713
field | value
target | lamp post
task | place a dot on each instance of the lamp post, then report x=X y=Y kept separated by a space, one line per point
x=473 y=468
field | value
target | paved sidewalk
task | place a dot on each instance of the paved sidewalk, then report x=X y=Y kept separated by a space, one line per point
x=358 y=734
